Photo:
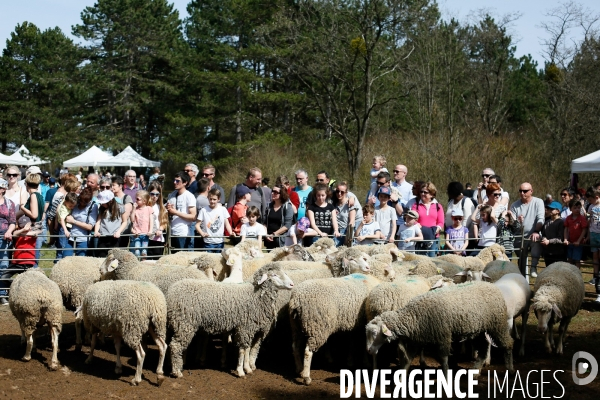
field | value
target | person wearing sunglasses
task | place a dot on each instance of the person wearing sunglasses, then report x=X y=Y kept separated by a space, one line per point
x=479 y=194
x=208 y=172
x=15 y=192
x=505 y=196
x=566 y=195
x=457 y=235
x=181 y=206
x=161 y=219
x=258 y=196
x=529 y=210
x=431 y=219
x=279 y=218
x=346 y=212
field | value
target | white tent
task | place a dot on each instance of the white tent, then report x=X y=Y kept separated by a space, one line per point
x=589 y=163
x=22 y=157
x=128 y=158
x=91 y=157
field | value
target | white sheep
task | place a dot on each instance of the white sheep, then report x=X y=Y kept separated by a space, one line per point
x=127 y=310
x=498 y=268
x=323 y=247
x=438 y=317
x=36 y=300
x=296 y=252
x=73 y=275
x=559 y=292
x=246 y=310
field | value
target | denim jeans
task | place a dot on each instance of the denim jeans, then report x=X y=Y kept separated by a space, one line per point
x=180 y=243
x=216 y=246
x=41 y=239
x=4 y=259
x=191 y=232
x=80 y=249
x=435 y=245
x=342 y=239
x=140 y=242
x=62 y=243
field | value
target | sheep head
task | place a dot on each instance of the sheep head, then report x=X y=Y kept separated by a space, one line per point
x=468 y=275
x=377 y=335
x=272 y=272
x=544 y=309
x=355 y=261
x=297 y=252
x=109 y=264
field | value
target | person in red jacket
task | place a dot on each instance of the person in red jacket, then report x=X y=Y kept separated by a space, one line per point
x=23 y=256
x=282 y=180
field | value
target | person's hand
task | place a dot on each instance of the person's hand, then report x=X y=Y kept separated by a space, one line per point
x=521 y=218
x=480 y=186
x=337 y=234
x=566 y=242
x=67 y=234
x=391 y=240
x=170 y=208
x=394 y=197
x=158 y=232
x=458 y=253
x=8 y=236
x=545 y=242
x=360 y=238
x=577 y=243
x=535 y=237
x=96 y=234
x=205 y=234
x=269 y=238
x=372 y=199
x=322 y=234
x=70 y=219
x=244 y=220
x=117 y=235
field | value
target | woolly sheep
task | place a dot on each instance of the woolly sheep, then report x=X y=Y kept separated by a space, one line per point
x=322 y=248
x=250 y=249
x=297 y=253
x=73 y=275
x=194 y=304
x=127 y=310
x=249 y=267
x=498 y=268
x=436 y=317
x=321 y=307
x=474 y=263
x=491 y=253
x=214 y=260
x=425 y=268
x=408 y=256
x=517 y=297
x=388 y=248
x=450 y=269
x=559 y=292
x=339 y=261
x=380 y=266
x=126 y=266
x=35 y=300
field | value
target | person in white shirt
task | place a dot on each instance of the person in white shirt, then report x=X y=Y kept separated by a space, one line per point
x=181 y=206
x=252 y=228
x=299 y=231
x=369 y=230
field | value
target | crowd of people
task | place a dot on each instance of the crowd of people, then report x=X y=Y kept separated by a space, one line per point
x=88 y=215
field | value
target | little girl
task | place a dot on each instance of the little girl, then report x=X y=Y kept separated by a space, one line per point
x=299 y=231
x=486 y=226
x=142 y=219
x=322 y=214
x=457 y=235
x=252 y=228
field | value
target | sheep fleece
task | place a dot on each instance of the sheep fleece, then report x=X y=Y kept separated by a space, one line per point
x=560 y=283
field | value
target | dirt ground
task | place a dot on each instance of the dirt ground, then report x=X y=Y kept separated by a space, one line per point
x=274 y=379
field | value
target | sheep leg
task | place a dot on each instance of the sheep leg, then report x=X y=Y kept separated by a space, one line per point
x=297 y=355
x=54 y=335
x=27 y=356
x=224 y=341
x=118 y=365
x=562 y=332
x=92 y=346
x=247 y=368
x=488 y=356
x=513 y=326
x=176 y=358
x=201 y=355
x=483 y=347
x=139 y=352
x=162 y=351
x=305 y=374
x=524 y=318
x=254 y=353
x=550 y=335
x=240 y=370
x=78 y=341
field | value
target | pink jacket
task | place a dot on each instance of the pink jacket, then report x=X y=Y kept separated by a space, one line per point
x=434 y=217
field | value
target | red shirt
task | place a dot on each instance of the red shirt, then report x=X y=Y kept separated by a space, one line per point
x=294 y=197
x=24 y=250
x=435 y=216
x=576 y=226
x=237 y=213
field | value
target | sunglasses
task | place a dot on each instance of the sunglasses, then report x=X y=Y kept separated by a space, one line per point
x=497 y=194
x=187 y=170
x=276 y=192
x=424 y=192
x=105 y=187
x=12 y=175
x=205 y=175
x=564 y=194
x=176 y=180
x=380 y=183
x=457 y=218
x=341 y=192
x=397 y=172
x=154 y=194
x=485 y=175
x=320 y=180
x=524 y=191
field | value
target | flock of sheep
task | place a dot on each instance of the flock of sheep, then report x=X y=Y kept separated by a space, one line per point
x=412 y=301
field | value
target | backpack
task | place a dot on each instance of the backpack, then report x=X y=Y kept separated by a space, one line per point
x=462 y=202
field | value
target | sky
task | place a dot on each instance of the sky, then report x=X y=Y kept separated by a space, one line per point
x=526 y=30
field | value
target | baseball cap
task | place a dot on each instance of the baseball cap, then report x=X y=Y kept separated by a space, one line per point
x=105 y=196
x=555 y=205
x=384 y=190
x=413 y=214
x=45 y=174
x=34 y=169
x=242 y=190
x=3 y=184
x=303 y=224
x=52 y=180
x=457 y=212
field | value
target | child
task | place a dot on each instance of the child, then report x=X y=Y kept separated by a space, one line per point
x=24 y=254
x=322 y=214
x=386 y=215
x=142 y=219
x=378 y=166
x=110 y=223
x=508 y=227
x=238 y=212
x=212 y=222
x=457 y=236
x=553 y=236
x=409 y=231
x=369 y=229
x=252 y=228
x=299 y=231
x=486 y=226
x=594 y=224
x=64 y=210
x=575 y=231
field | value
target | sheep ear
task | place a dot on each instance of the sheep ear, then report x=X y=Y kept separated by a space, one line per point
x=262 y=279
x=345 y=263
x=437 y=285
x=461 y=273
x=556 y=311
x=385 y=330
x=440 y=271
x=486 y=277
x=113 y=265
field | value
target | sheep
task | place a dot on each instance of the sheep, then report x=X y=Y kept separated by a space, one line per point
x=73 y=275
x=338 y=261
x=297 y=253
x=250 y=266
x=436 y=317
x=493 y=252
x=319 y=308
x=127 y=310
x=126 y=266
x=559 y=292
x=249 y=313
x=474 y=263
x=380 y=266
x=182 y=257
x=498 y=268
x=450 y=269
x=408 y=256
x=323 y=247
x=389 y=248
x=36 y=300
x=250 y=248
x=425 y=268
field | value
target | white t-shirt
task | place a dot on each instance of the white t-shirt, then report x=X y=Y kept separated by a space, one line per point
x=179 y=226
x=407 y=232
x=213 y=222
x=487 y=234
x=386 y=218
x=253 y=231
x=156 y=225
x=292 y=232
x=368 y=230
x=467 y=211
x=484 y=195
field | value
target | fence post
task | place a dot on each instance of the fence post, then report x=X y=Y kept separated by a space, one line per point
x=523 y=256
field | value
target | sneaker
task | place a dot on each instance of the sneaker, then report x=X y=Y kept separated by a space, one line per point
x=533 y=272
x=598 y=299
x=3 y=301
x=593 y=281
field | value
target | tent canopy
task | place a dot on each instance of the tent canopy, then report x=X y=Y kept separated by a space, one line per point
x=128 y=158
x=22 y=157
x=90 y=158
x=589 y=163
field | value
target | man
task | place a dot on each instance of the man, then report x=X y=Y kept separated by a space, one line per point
x=283 y=181
x=181 y=206
x=400 y=183
x=208 y=172
x=45 y=185
x=383 y=180
x=529 y=211
x=93 y=182
x=258 y=197
x=303 y=191
x=192 y=171
x=130 y=186
x=266 y=189
x=505 y=196
x=480 y=195
x=323 y=177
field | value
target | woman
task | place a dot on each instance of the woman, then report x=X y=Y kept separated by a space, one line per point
x=346 y=213
x=279 y=216
x=566 y=195
x=15 y=192
x=161 y=220
x=127 y=202
x=431 y=218
x=8 y=222
x=70 y=185
x=494 y=196
x=83 y=218
x=142 y=182
x=283 y=180
x=110 y=224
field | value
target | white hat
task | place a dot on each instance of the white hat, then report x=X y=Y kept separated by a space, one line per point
x=457 y=212
x=34 y=169
x=105 y=196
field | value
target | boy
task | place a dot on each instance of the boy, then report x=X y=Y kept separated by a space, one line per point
x=64 y=210
x=369 y=229
x=594 y=224
x=386 y=215
x=409 y=231
x=457 y=235
x=238 y=212
x=575 y=231
x=252 y=228
x=299 y=231
x=212 y=222
x=552 y=235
